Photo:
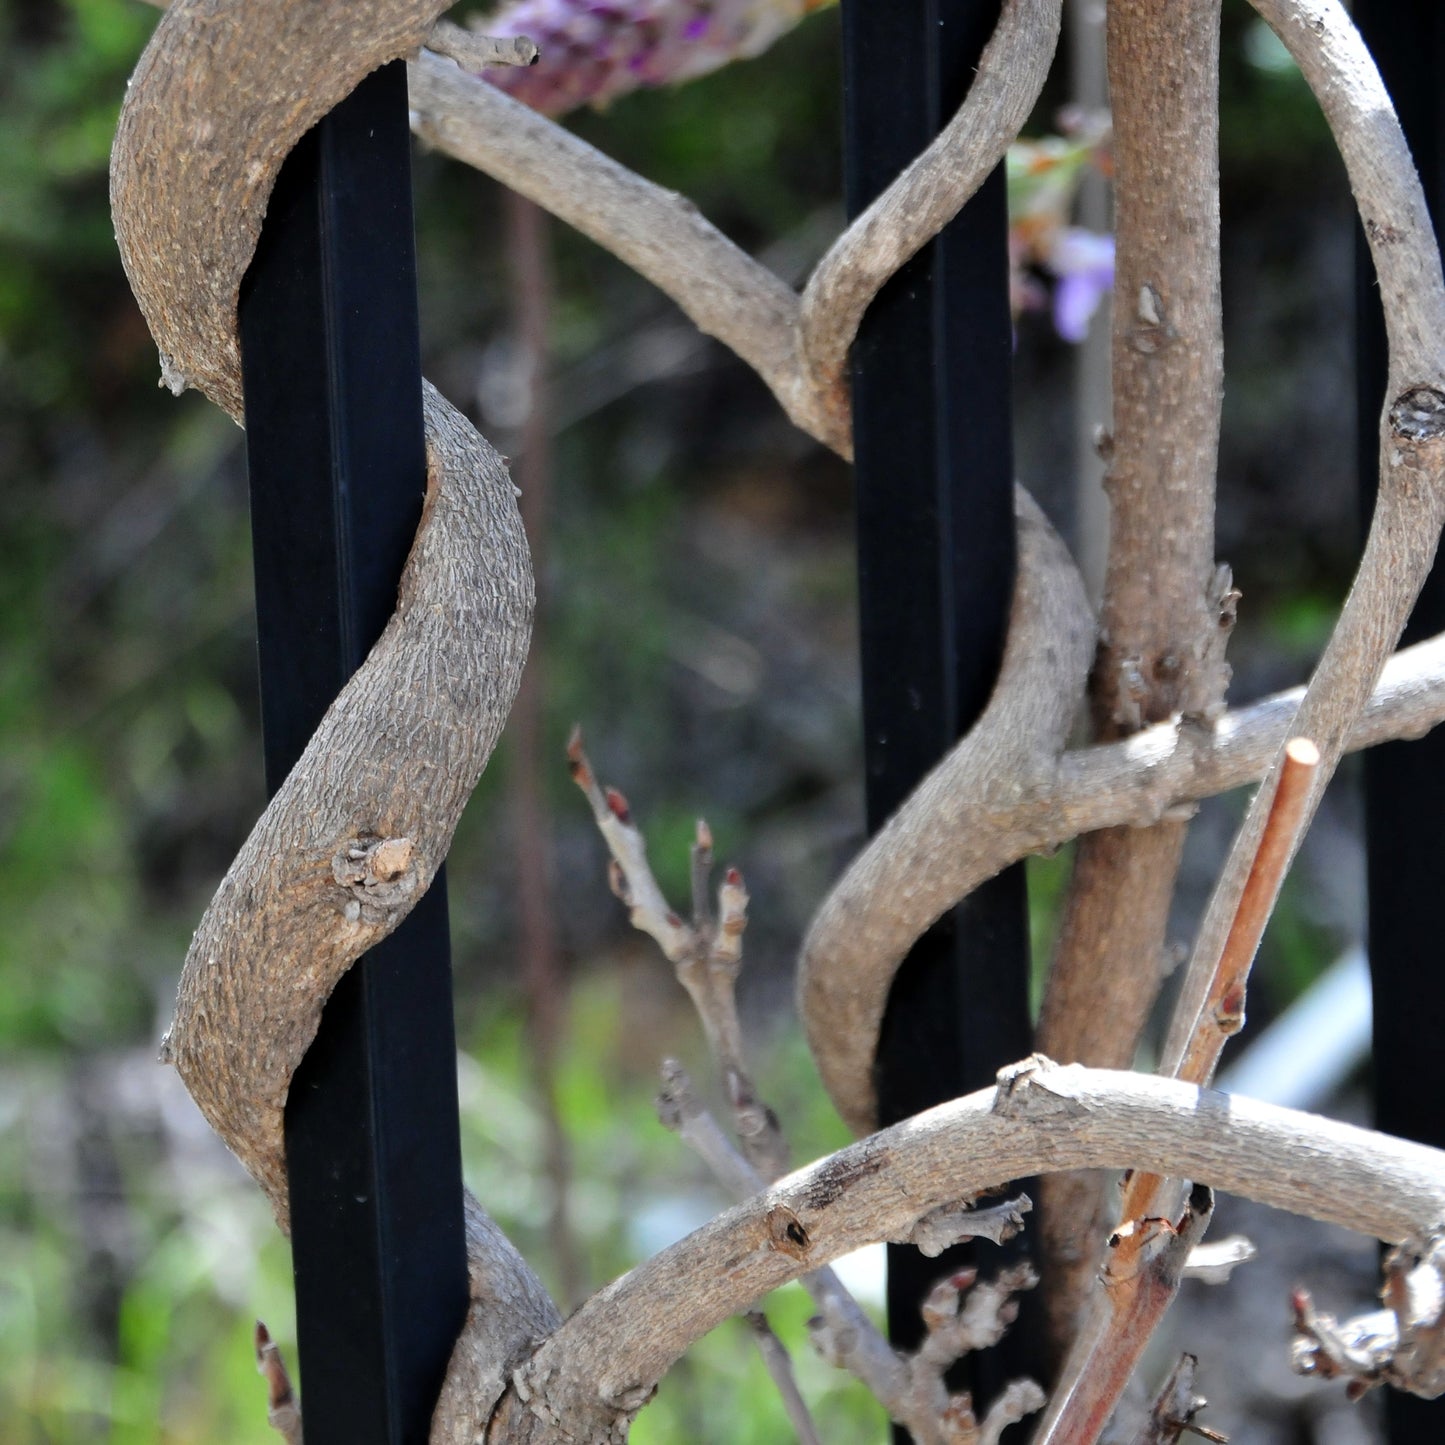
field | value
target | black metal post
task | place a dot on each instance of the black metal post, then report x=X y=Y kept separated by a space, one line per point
x=332 y=374
x=1405 y=781
x=936 y=548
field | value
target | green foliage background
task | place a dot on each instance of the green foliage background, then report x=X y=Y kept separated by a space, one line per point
x=698 y=617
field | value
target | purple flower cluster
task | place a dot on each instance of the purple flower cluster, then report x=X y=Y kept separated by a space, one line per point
x=592 y=51
x=1083 y=264
x=1045 y=174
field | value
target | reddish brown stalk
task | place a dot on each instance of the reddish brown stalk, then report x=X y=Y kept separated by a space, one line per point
x=1120 y=1333
x=1141 y=1276
x=1223 y=1014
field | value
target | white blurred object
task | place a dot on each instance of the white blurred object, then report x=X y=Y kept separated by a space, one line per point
x=1312 y=1047
x=865 y=1274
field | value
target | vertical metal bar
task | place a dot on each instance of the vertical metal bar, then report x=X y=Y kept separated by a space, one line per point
x=1404 y=781
x=332 y=375
x=936 y=554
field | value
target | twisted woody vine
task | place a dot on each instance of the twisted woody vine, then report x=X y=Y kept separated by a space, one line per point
x=219 y=98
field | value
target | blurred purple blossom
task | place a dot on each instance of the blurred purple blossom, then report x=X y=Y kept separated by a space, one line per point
x=593 y=51
x=1083 y=264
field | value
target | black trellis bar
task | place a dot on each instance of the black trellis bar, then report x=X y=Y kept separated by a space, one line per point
x=936 y=554
x=332 y=375
x=1405 y=781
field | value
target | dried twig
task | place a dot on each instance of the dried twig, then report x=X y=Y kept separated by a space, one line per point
x=1109 y=1346
x=757 y=1126
x=943 y=1228
x=780 y=1367
x=1174 y=1410
x=1401 y=1345
x=283 y=1409
x=1018 y=1400
x=706 y=954
x=1358 y=1351
x=960 y=1317
x=1223 y=1014
x=1414 y=1292
x=963 y=1316
x=701 y=876
x=679 y=1109
x=629 y=873
x=657 y=232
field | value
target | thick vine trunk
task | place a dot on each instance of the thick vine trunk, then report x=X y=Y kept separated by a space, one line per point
x=1165 y=614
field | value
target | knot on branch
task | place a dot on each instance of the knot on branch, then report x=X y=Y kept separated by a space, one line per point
x=378 y=874
x=1152 y=331
x=1383 y=233
x=1034 y=1088
x=1418 y=414
x=786 y=1233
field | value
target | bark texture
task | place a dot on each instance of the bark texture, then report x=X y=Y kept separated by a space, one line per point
x=219 y=98
x=357 y=831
